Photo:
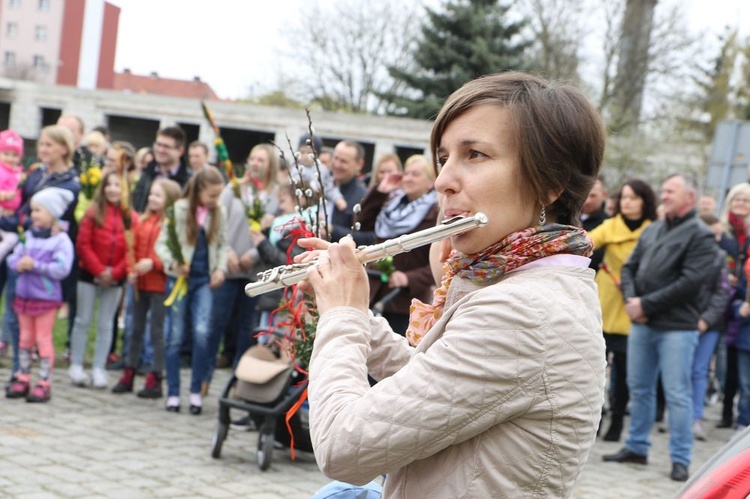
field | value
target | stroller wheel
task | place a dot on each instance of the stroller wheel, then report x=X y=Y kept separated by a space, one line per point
x=221 y=434
x=265 y=450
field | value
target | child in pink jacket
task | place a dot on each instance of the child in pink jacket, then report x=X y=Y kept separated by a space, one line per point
x=11 y=152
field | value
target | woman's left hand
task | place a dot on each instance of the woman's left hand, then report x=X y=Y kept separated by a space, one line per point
x=339 y=279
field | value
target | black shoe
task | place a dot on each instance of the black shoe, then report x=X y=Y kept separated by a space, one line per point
x=195 y=410
x=625 y=456
x=725 y=423
x=679 y=472
x=173 y=408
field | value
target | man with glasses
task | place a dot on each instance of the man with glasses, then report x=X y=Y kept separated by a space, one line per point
x=168 y=150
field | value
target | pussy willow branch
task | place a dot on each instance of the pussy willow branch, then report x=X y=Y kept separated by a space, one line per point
x=322 y=200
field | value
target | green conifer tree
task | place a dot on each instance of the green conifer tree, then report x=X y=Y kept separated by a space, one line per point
x=464 y=40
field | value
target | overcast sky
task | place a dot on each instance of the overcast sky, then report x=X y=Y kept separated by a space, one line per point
x=235 y=45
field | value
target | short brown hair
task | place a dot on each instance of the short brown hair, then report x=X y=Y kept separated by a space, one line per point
x=174 y=132
x=559 y=133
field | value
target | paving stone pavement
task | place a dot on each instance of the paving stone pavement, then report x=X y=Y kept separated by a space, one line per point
x=91 y=443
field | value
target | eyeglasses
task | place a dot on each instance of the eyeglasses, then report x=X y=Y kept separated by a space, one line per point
x=162 y=145
x=741 y=200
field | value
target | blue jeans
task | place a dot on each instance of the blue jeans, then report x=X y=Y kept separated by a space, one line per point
x=10 y=319
x=701 y=362
x=234 y=310
x=147 y=350
x=743 y=407
x=198 y=300
x=650 y=352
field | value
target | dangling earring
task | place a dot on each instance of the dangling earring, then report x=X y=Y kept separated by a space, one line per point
x=542 y=217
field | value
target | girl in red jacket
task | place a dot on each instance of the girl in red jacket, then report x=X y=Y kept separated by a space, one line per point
x=103 y=260
x=149 y=278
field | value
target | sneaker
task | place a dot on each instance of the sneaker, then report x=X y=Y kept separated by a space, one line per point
x=243 y=424
x=77 y=376
x=18 y=389
x=699 y=432
x=99 y=377
x=152 y=387
x=40 y=393
x=125 y=383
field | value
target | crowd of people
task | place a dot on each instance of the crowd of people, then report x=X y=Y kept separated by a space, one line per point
x=672 y=280
x=107 y=207
x=165 y=246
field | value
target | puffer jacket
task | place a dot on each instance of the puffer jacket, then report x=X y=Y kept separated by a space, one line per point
x=105 y=246
x=618 y=242
x=501 y=398
x=147 y=233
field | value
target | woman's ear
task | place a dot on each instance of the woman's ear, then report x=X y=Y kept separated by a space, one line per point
x=552 y=196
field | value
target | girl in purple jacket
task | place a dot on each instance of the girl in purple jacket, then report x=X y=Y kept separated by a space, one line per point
x=42 y=260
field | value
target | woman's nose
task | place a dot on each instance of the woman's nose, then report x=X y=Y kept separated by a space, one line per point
x=446 y=181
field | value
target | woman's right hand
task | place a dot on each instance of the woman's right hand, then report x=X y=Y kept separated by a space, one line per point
x=339 y=279
x=390 y=182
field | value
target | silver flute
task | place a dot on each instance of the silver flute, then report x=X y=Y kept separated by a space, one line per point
x=286 y=275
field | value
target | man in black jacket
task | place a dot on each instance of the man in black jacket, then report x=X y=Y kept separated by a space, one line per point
x=661 y=284
x=168 y=150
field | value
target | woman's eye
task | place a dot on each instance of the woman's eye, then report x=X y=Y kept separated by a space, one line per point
x=473 y=153
x=441 y=161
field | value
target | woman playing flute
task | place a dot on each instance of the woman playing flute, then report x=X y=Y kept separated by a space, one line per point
x=502 y=394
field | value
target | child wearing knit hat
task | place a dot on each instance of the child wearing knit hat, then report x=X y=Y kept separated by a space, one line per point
x=11 y=152
x=42 y=260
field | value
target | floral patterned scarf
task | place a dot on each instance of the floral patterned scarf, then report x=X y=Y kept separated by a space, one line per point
x=492 y=263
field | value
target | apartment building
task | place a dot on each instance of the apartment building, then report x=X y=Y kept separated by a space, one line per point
x=63 y=42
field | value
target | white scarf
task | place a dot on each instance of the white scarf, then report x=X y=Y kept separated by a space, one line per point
x=397 y=218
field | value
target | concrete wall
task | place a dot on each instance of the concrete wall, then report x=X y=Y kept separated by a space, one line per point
x=94 y=107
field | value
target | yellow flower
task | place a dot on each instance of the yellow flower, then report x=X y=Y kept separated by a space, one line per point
x=84 y=178
x=254 y=225
x=95 y=175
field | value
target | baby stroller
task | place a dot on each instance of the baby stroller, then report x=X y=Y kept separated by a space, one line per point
x=265 y=385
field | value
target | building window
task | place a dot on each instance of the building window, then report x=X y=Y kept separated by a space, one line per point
x=10 y=59
x=11 y=30
x=39 y=62
x=41 y=33
x=14 y=4
x=43 y=4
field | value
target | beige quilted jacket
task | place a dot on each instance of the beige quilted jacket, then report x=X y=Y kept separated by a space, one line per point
x=501 y=398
